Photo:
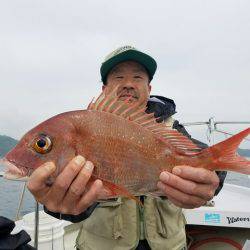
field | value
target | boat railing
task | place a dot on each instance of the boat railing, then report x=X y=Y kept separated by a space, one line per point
x=212 y=127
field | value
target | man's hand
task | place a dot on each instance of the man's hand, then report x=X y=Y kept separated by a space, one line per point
x=67 y=194
x=188 y=187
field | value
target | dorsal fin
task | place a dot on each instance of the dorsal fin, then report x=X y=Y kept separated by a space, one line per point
x=135 y=112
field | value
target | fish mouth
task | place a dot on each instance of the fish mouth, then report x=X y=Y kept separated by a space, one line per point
x=15 y=171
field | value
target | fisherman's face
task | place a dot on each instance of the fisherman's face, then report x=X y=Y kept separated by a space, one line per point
x=132 y=81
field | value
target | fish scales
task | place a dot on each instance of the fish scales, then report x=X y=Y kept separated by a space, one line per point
x=118 y=150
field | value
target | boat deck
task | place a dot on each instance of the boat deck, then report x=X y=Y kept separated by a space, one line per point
x=231 y=209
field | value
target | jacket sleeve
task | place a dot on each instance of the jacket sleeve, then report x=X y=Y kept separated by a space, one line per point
x=221 y=174
x=73 y=218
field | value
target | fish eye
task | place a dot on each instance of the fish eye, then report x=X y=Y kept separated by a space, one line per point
x=42 y=144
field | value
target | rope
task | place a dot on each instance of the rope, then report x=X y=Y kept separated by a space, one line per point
x=21 y=200
x=215 y=239
x=226 y=133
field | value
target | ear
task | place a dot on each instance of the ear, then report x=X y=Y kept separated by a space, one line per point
x=149 y=88
x=103 y=87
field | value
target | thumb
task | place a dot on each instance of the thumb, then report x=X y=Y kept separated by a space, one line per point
x=37 y=181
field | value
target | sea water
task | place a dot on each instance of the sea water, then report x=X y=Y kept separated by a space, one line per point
x=10 y=192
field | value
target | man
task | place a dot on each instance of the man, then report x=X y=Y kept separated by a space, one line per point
x=121 y=223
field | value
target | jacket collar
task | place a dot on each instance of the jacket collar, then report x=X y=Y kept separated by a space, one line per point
x=162 y=107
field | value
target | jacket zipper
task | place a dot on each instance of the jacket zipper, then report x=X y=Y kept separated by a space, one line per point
x=141 y=215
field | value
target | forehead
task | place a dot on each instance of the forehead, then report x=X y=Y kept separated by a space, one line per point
x=128 y=66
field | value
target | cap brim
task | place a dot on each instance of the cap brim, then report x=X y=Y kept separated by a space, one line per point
x=147 y=61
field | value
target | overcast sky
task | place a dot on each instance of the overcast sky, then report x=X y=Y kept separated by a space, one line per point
x=51 y=51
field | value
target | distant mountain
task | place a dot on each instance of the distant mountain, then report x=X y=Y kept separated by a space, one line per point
x=244 y=152
x=6 y=144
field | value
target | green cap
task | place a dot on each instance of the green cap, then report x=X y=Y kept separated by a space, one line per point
x=126 y=53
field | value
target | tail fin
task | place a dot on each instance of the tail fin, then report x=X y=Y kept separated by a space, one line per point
x=225 y=156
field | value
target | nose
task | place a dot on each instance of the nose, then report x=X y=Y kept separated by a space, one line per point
x=128 y=88
x=128 y=85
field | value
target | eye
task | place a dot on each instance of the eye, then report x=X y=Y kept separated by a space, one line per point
x=138 y=77
x=42 y=144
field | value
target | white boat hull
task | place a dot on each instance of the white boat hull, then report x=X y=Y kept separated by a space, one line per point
x=229 y=218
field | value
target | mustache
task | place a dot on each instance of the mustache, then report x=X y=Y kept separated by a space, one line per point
x=128 y=93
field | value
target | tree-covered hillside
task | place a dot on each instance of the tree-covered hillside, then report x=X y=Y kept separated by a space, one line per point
x=6 y=144
x=244 y=152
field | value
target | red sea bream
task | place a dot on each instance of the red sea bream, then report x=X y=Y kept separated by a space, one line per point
x=127 y=146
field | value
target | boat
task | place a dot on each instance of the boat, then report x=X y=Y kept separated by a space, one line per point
x=224 y=223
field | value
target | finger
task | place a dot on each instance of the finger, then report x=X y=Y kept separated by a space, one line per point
x=203 y=191
x=182 y=198
x=200 y=175
x=104 y=194
x=77 y=187
x=65 y=178
x=176 y=203
x=90 y=197
x=179 y=204
x=37 y=181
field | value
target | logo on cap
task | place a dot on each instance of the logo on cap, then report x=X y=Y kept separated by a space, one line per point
x=118 y=51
